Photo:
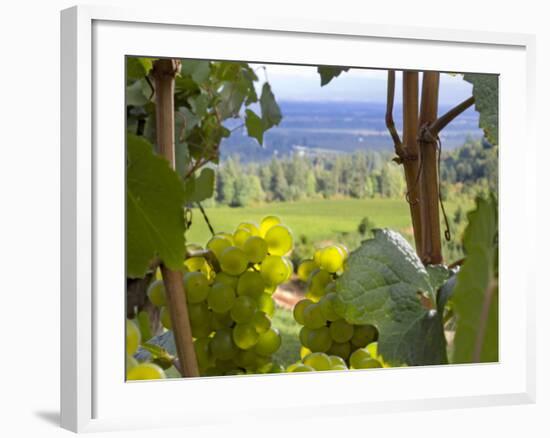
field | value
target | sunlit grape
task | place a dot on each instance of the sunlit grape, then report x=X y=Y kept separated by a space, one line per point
x=243 y=309
x=255 y=249
x=267 y=223
x=299 y=308
x=327 y=307
x=357 y=356
x=301 y=368
x=199 y=314
x=131 y=362
x=304 y=351
x=336 y=360
x=221 y=297
x=251 y=283
x=233 y=261
x=245 y=335
x=279 y=240
x=145 y=371
x=218 y=244
x=250 y=227
x=221 y=320
x=318 y=280
x=240 y=236
x=332 y=259
x=266 y=304
x=306 y=268
x=246 y=359
x=367 y=363
x=196 y=286
x=341 y=349
x=157 y=293
x=261 y=322
x=268 y=342
x=133 y=337
x=274 y=270
x=318 y=361
x=363 y=335
x=303 y=335
x=229 y=280
x=199 y=264
x=202 y=351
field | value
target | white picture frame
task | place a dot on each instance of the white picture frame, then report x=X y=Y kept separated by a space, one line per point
x=94 y=396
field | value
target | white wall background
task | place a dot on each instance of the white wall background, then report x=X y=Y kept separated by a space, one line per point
x=29 y=216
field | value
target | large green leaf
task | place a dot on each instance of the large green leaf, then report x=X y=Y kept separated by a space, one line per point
x=199 y=188
x=154 y=219
x=138 y=68
x=485 y=91
x=198 y=70
x=271 y=113
x=475 y=296
x=382 y=286
x=254 y=126
x=328 y=73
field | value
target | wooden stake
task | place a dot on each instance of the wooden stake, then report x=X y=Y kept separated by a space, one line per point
x=429 y=184
x=164 y=72
x=411 y=152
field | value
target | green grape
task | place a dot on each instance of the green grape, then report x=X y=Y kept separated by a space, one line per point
x=202 y=351
x=250 y=227
x=319 y=340
x=228 y=236
x=301 y=368
x=341 y=349
x=318 y=280
x=240 y=236
x=299 y=308
x=267 y=223
x=222 y=345
x=229 y=280
x=357 y=356
x=145 y=371
x=317 y=256
x=364 y=335
x=165 y=318
x=143 y=321
x=245 y=335
x=291 y=367
x=255 y=249
x=327 y=307
x=341 y=331
x=133 y=337
x=306 y=268
x=218 y=244
x=233 y=261
x=198 y=264
x=157 y=293
x=251 y=284
x=339 y=368
x=337 y=360
x=279 y=240
x=221 y=320
x=246 y=359
x=274 y=270
x=261 y=322
x=332 y=259
x=268 y=342
x=304 y=351
x=266 y=304
x=203 y=328
x=313 y=317
x=303 y=335
x=131 y=362
x=243 y=309
x=277 y=368
x=372 y=349
x=221 y=298
x=344 y=250
x=366 y=363
x=196 y=287
x=199 y=314
x=318 y=361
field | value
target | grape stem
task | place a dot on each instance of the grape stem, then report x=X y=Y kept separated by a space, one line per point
x=205 y=216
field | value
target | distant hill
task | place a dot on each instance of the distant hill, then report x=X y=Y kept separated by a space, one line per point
x=335 y=127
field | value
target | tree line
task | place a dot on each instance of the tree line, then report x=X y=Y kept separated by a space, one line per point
x=362 y=174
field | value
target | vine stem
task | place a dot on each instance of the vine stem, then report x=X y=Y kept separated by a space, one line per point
x=164 y=72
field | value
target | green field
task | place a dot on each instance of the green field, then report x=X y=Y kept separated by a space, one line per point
x=318 y=219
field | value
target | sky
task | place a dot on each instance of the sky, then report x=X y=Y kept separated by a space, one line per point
x=291 y=82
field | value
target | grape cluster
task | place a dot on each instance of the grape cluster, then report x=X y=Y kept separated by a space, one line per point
x=324 y=329
x=135 y=370
x=229 y=294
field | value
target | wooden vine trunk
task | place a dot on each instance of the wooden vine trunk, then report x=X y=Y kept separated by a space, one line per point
x=164 y=71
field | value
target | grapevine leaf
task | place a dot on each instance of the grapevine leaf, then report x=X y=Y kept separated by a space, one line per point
x=154 y=219
x=254 y=126
x=438 y=274
x=199 y=188
x=485 y=91
x=271 y=113
x=185 y=121
x=328 y=73
x=232 y=97
x=137 y=68
x=199 y=104
x=475 y=297
x=381 y=286
x=136 y=93
x=198 y=70
x=182 y=159
x=445 y=293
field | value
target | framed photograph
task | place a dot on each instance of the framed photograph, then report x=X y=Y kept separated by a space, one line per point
x=258 y=208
